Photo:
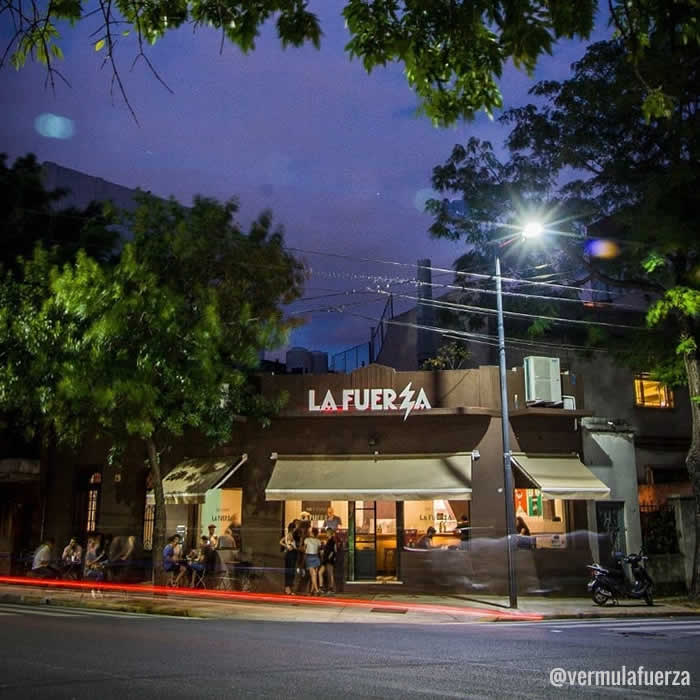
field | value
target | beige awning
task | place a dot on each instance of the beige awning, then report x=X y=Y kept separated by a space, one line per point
x=19 y=469
x=371 y=477
x=561 y=476
x=190 y=480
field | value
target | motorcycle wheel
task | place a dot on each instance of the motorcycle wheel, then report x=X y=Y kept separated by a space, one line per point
x=600 y=597
x=649 y=596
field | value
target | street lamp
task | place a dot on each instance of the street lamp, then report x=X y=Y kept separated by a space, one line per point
x=532 y=229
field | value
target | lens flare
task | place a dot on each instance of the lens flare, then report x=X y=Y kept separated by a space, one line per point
x=601 y=248
x=53 y=126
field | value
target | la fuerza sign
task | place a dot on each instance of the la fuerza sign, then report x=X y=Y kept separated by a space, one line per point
x=350 y=400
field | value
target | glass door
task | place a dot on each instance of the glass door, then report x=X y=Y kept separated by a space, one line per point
x=365 y=540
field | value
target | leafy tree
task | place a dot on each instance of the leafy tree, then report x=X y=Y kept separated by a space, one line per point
x=30 y=215
x=166 y=338
x=453 y=355
x=452 y=51
x=632 y=180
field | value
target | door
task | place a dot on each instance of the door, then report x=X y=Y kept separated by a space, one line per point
x=610 y=522
x=365 y=540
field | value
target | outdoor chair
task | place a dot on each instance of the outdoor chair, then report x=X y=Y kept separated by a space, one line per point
x=199 y=578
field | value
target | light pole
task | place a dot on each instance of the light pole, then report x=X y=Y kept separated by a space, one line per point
x=505 y=429
x=531 y=230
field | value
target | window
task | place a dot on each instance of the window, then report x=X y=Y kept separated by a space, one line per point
x=651 y=394
x=93 y=501
x=149 y=519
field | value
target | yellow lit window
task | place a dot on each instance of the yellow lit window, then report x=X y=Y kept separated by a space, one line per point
x=650 y=393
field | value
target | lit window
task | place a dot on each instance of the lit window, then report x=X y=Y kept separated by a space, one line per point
x=93 y=501
x=650 y=393
x=149 y=519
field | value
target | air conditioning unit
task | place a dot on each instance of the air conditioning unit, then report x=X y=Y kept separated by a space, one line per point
x=542 y=380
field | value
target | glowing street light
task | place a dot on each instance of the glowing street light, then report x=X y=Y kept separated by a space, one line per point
x=532 y=229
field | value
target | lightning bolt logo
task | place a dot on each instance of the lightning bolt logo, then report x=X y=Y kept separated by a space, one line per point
x=408 y=403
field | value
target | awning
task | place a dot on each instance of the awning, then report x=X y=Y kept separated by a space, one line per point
x=19 y=469
x=190 y=480
x=371 y=477
x=561 y=476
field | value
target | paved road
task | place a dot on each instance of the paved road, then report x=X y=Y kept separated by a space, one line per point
x=63 y=653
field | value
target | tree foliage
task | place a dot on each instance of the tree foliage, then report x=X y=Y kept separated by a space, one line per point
x=453 y=52
x=161 y=342
x=452 y=355
x=629 y=181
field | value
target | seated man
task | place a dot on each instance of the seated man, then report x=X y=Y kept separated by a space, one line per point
x=72 y=559
x=41 y=564
x=170 y=563
x=426 y=542
x=200 y=559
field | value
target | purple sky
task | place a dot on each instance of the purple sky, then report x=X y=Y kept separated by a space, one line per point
x=333 y=152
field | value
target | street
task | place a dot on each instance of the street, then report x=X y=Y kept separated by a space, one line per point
x=52 y=652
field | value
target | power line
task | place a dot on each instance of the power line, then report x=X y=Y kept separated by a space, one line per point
x=484 y=310
x=432 y=268
x=474 y=337
x=480 y=290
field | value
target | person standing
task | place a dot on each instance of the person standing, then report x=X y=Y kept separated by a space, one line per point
x=312 y=547
x=289 y=546
x=328 y=557
x=213 y=539
x=332 y=521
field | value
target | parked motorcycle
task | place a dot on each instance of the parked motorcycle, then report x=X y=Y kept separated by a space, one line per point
x=612 y=584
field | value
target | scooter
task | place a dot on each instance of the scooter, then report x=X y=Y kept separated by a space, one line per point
x=612 y=584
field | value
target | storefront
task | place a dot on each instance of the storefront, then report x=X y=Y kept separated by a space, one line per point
x=385 y=502
x=394 y=454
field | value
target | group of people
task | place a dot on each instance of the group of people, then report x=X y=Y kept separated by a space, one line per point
x=200 y=560
x=306 y=555
x=105 y=557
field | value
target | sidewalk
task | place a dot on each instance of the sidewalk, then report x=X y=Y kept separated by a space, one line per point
x=380 y=607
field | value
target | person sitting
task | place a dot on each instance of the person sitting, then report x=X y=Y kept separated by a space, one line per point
x=521 y=527
x=199 y=558
x=95 y=560
x=464 y=532
x=72 y=559
x=213 y=539
x=226 y=541
x=121 y=554
x=426 y=542
x=171 y=562
x=41 y=563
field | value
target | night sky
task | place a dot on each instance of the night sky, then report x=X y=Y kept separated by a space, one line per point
x=339 y=156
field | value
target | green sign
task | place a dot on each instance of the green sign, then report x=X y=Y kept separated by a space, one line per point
x=534 y=503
